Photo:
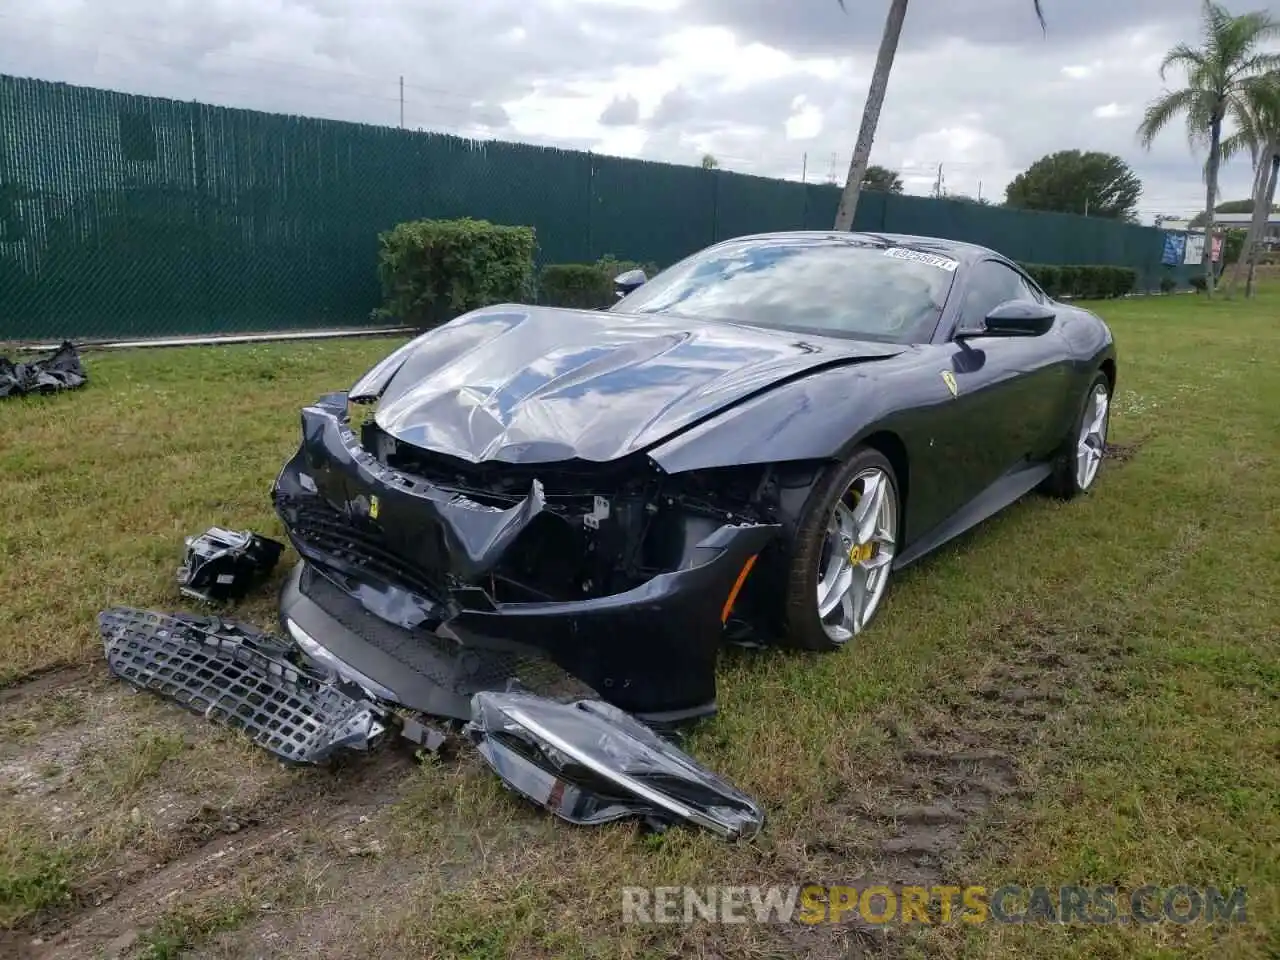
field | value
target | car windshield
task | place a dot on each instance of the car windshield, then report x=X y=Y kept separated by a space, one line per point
x=840 y=288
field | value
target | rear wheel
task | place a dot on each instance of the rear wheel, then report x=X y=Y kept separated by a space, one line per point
x=843 y=553
x=1080 y=457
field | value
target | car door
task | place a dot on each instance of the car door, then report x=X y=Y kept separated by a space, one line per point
x=1014 y=384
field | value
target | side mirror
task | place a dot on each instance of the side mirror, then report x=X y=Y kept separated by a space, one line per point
x=1014 y=318
x=624 y=283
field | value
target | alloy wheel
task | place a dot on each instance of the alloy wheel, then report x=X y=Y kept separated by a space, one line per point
x=857 y=554
x=1093 y=437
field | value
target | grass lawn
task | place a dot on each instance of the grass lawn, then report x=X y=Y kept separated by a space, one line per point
x=1083 y=693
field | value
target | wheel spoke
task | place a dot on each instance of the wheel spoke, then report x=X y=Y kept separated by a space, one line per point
x=855 y=604
x=1100 y=405
x=832 y=590
x=845 y=525
x=870 y=506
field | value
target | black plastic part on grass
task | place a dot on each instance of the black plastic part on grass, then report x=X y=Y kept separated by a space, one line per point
x=233 y=674
x=222 y=565
x=589 y=762
x=61 y=370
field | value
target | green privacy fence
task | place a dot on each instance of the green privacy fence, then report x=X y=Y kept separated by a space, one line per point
x=126 y=216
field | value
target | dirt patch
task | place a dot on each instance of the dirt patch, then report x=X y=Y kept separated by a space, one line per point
x=1123 y=452
x=953 y=766
x=277 y=861
x=137 y=805
x=33 y=685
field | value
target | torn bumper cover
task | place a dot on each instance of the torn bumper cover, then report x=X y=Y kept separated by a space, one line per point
x=235 y=675
x=420 y=558
x=61 y=370
x=588 y=763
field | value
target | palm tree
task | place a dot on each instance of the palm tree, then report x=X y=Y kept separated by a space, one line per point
x=871 y=112
x=1219 y=74
x=1259 y=133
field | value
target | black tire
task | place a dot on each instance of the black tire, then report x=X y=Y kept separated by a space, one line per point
x=1063 y=483
x=802 y=627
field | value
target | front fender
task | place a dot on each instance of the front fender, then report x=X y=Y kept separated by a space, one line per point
x=819 y=417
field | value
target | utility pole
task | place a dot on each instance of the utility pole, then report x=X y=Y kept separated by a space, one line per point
x=804 y=168
x=1086 y=206
x=979 y=191
x=402 y=101
x=937 y=184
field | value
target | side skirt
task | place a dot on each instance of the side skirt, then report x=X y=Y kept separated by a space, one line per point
x=1005 y=491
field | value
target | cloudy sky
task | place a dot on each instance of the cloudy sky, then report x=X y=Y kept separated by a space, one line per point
x=772 y=87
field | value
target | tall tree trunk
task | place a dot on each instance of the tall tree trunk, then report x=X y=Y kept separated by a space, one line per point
x=1211 y=191
x=1268 y=199
x=871 y=115
x=1257 y=222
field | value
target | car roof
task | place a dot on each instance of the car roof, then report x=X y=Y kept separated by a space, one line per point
x=966 y=253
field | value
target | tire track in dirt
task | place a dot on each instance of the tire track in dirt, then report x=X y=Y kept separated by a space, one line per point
x=208 y=806
x=41 y=682
x=216 y=844
x=964 y=755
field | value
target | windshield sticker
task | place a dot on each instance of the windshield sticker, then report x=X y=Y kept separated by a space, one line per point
x=942 y=263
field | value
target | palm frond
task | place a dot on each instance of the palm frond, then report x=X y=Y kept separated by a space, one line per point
x=1184 y=56
x=1160 y=111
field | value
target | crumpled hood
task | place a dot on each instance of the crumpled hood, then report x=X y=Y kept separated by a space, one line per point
x=524 y=384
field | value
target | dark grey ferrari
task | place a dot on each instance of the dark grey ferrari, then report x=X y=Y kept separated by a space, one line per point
x=746 y=446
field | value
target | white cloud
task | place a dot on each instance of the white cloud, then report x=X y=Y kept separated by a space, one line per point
x=805 y=122
x=1110 y=111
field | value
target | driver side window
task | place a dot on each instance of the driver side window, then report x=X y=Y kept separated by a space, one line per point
x=990 y=284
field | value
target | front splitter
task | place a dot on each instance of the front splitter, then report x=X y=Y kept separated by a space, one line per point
x=421 y=671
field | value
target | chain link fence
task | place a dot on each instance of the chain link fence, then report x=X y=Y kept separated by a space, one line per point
x=130 y=216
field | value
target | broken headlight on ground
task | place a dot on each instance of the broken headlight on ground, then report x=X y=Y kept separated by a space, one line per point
x=242 y=678
x=589 y=762
x=222 y=565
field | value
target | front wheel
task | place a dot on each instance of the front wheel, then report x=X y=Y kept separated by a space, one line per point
x=1082 y=450
x=843 y=553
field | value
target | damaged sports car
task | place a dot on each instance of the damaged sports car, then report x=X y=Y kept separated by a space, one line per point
x=747 y=446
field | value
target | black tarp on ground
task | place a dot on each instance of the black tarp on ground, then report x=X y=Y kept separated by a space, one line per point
x=61 y=370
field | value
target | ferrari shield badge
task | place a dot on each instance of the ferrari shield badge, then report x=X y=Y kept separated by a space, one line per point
x=373 y=501
x=949 y=379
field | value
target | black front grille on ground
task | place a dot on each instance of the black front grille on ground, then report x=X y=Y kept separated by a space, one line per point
x=360 y=544
x=459 y=668
x=232 y=674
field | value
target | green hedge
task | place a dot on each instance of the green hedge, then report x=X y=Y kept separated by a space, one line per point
x=1083 y=281
x=432 y=270
x=580 y=285
x=587 y=286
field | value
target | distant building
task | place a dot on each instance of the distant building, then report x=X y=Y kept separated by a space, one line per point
x=1271 y=234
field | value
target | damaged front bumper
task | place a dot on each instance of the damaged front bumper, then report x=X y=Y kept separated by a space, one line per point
x=406 y=567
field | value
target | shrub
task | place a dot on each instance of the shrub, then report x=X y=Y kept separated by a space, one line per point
x=1048 y=275
x=585 y=285
x=1198 y=282
x=1083 y=281
x=612 y=266
x=434 y=269
x=1069 y=280
x=581 y=285
x=1168 y=284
